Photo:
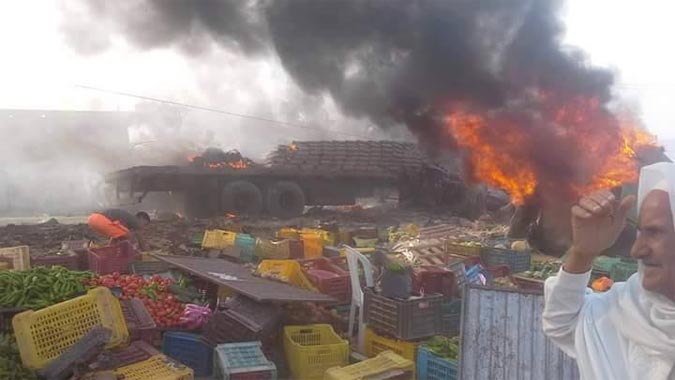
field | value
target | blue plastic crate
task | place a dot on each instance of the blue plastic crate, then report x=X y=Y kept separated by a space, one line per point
x=234 y=361
x=189 y=349
x=246 y=244
x=432 y=367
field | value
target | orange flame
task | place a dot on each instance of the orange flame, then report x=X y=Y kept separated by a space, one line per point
x=574 y=146
x=239 y=164
x=230 y=215
x=489 y=163
x=622 y=165
x=192 y=157
x=293 y=147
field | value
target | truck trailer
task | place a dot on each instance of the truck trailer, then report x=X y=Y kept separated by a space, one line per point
x=307 y=173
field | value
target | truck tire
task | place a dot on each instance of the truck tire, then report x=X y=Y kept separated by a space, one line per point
x=285 y=200
x=242 y=197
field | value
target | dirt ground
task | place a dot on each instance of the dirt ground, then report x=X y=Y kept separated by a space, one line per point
x=173 y=234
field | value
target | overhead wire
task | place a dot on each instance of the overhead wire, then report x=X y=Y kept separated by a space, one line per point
x=282 y=123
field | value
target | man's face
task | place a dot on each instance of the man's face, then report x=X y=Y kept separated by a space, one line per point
x=655 y=244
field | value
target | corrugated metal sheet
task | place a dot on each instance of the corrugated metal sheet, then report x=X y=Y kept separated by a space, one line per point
x=502 y=338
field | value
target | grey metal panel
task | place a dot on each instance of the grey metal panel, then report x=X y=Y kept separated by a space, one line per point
x=502 y=338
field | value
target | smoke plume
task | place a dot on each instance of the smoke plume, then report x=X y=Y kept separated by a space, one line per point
x=390 y=61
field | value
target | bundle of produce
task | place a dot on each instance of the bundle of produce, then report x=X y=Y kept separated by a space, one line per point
x=40 y=287
x=543 y=270
x=195 y=316
x=162 y=305
x=444 y=347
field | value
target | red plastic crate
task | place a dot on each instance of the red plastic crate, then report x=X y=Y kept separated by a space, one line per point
x=405 y=319
x=68 y=260
x=296 y=249
x=430 y=279
x=244 y=320
x=140 y=324
x=113 y=258
x=80 y=248
x=329 y=278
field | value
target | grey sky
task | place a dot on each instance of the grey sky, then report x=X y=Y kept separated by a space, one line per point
x=40 y=70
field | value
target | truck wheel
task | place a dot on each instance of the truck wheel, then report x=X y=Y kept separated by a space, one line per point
x=285 y=200
x=242 y=197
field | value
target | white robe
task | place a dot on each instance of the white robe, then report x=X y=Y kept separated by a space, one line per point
x=626 y=333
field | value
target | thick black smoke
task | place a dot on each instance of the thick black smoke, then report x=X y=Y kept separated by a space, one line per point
x=392 y=61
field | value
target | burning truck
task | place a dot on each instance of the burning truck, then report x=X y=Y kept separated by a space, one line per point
x=307 y=173
x=548 y=151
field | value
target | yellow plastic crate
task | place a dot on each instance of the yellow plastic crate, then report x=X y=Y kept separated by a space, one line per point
x=158 y=367
x=45 y=334
x=313 y=246
x=218 y=239
x=376 y=344
x=270 y=249
x=19 y=256
x=288 y=271
x=310 y=350
x=288 y=233
x=384 y=363
x=327 y=237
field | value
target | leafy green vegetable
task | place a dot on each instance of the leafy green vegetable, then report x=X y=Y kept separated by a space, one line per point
x=543 y=270
x=396 y=268
x=444 y=347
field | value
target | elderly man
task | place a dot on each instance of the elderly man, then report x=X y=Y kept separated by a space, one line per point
x=628 y=332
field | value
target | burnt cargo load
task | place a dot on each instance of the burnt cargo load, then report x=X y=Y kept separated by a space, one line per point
x=308 y=173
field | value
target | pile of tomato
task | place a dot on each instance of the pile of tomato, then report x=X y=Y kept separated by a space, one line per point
x=163 y=306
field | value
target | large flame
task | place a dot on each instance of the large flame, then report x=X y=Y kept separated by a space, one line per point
x=489 y=163
x=574 y=147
